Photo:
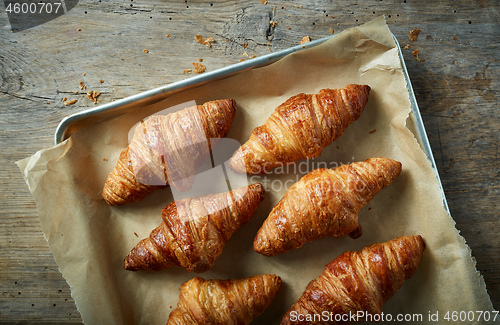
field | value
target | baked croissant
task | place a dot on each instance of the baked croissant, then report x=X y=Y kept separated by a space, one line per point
x=222 y=302
x=323 y=203
x=299 y=128
x=357 y=283
x=173 y=144
x=194 y=231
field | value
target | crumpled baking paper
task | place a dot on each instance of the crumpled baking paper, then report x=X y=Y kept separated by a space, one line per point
x=90 y=239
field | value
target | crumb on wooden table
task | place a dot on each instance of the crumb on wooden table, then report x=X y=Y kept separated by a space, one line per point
x=82 y=85
x=69 y=102
x=92 y=95
x=413 y=34
x=187 y=71
x=145 y=51
x=416 y=54
x=264 y=2
x=198 y=67
x=305 y=39
x=373 y=131
x=205 y=41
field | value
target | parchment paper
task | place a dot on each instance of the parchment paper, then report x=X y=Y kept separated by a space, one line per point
x=90 y=239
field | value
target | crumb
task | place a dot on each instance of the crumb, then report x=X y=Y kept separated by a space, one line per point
x=92 y=95
x=48 y=103
x=305 y=39
x=455 y=38
x=413 y=34
x=242 y=60
x=407 y=46
x=65 y=99
x=338 y=147
x=104 y=159
x=145 y=51
x=416 y=54
x=77 y=92
x=198 y=67
x=136 y=235
x=101 y=81
x=269 y=49
x=187 y=71
x=79 y=29
x=273 y=24
x=82 y=86
x=264 y=2
x=70 y=102
x=205 y=41
x=168 y=35
x=372 y=131
x=331 y=31
x=200 y=60
x=332 y=17
x=252 y=56
x=84 y=74
x=245 y=45
x=369 y=208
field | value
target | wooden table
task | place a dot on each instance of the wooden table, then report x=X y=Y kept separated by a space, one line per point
x=121 y=48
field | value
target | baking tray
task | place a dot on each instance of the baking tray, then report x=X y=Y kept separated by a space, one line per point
x=84 y=119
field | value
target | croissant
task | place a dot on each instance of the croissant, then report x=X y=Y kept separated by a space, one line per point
x=299 y=128
x=324 y=202
x=222 y=302
x=173 y=144
x=194 y=231
x=357 y=283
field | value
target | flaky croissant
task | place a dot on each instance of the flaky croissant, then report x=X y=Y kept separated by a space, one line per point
x=222 y=302
x=323 y=203
x=300 y=128
x=357 y=283
x=174 y=144
x=194 y=231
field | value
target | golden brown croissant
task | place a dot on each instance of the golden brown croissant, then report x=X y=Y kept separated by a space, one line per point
x=299 y=128
x=222 y=302
x=194 y=231
x=357 y=283
x=173 y=144
x=323 y=203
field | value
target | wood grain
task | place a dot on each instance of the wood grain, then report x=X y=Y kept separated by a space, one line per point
x=102 y=43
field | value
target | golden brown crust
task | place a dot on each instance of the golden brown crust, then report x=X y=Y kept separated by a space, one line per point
x=194 y=231
x=222 y=302
x=324 y=203
x=359 y=281
x=167 y=144
x=300 y=128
